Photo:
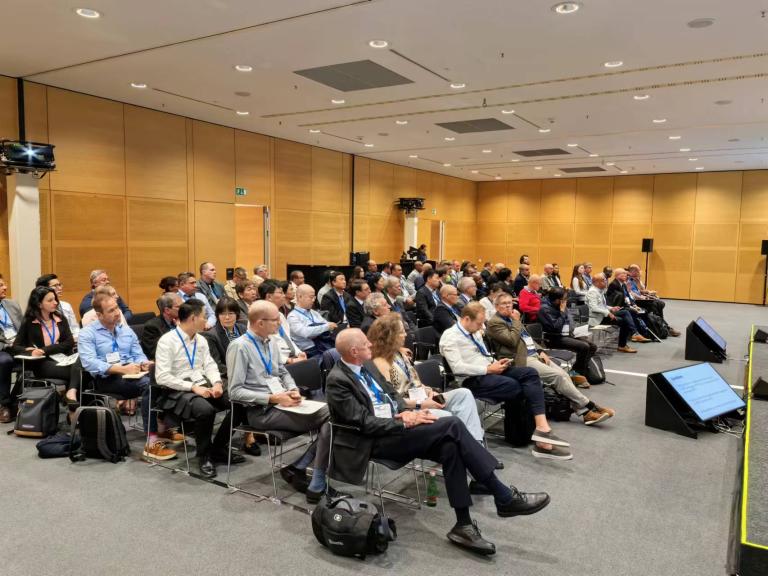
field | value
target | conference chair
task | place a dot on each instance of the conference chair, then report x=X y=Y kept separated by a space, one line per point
x=426 y=341
x=141 y=318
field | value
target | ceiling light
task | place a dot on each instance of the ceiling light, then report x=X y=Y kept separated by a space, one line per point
x=544 y=130
x=659 y=120
x=572 y=145
x=508 y=111
x=368 y=145
x=723 y=102
x=566 y=7
x=139 y=85
x=610 y=163
x=538 y=167
x=458 y=85
x=498 y=177
x=401 y=122
x=641 y=96
x=692 y=159
x=701 y=23
x=87 y=13
x=337 y=100
x=475 y=171
x=243 y=68
x=558 y=175
x=449 y=138
x=613 y=64
x=487 y=151
x=314 y=131
x=413 y=156
x=622 y=171
x=734 y=139
x=685 y=149
x=242 y=113
x=675 y=137
x=378 y=43
x=447 y=165
x=515 y=160
x=699 y=167
x=594 y=155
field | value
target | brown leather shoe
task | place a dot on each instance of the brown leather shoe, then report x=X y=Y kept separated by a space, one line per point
x=640 y=338
x=580 y=381
x=673 y=332
x=627 y=350
x=5 y=415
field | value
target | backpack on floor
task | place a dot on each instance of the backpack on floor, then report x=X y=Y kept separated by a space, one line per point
x=38 y=415
x=101 y=434
x=57 y=446
x=595 y=371
x=656 y=325
x=351 y=527
x=556 y=406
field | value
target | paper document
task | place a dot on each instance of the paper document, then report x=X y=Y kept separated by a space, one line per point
x=581 y=331
x=28 y=357
x=65 y=360
x=306 y=407
x=134 y=376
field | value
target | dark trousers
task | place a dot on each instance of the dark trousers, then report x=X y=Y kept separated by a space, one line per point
x=129 y=389
x=626 y=325
x=448 y=442
x=655 y=306
x=48 y=369
x=509 y=386
x=584 y=350
x=6 y=367
x=203 y=412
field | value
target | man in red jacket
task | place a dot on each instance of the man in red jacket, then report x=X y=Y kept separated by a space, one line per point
x=529 y=299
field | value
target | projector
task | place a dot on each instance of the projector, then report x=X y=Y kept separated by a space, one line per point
x=26 y=157
x=409 y=205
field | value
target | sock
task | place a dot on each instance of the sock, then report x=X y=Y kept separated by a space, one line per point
x=591 y=405
x=306 y=459
x=462 y=517
x=317 y=484
x=501 y=493
x=586 y=408
x=152 y=438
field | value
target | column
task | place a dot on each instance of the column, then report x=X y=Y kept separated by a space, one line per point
x=23 y=234
x=411 y=230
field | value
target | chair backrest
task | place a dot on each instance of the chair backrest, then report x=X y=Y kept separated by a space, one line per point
x=429 y=374
x=141 y=318
x=536 y=331
x=138 y=330
x=307 y=374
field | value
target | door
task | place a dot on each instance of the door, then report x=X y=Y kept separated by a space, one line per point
x=250 y=236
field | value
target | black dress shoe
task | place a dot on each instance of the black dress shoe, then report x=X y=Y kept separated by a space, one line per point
x=295 y=477
x=478 y=489
x=314 y=497
x=523 y=504
x=222 y=458
x=254 y=449
x=469 y=537
x=207 y=469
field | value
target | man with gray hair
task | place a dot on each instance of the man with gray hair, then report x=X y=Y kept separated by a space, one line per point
x=549 y=280
x=375 y=306
x=601 y=313
x=467 y=291
x=260 y=273
x=239 y=274
x=446 y=314
x=168 y=304
x=101 y=278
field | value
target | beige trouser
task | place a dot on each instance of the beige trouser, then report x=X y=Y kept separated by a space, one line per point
x=556 y=378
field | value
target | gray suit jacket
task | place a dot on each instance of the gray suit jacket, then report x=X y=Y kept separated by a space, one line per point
x=14 y=315
x=598 y=309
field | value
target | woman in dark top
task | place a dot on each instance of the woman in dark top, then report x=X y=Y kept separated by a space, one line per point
x=43 y=333
x=169 y=284
x=290 y=295
x=376 y=283
x=357 y=274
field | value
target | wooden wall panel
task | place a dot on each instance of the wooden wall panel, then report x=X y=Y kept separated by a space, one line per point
x=754 y=196
x=157 y=241
x=492 y=201
x=293 y=175
x=253 y=167
x=558 y=200
x=524 y=201
x=214 y=234
x=594 y=200
x=293 y=239
x=718 y=197
x=751 y=264
x=328 y=193
x=214 y=152
x=715 y=255
x=155 y=154
x=9 y=119
x=381 y=188
x=633 y=198
x=249 y=236
x=36 y=118
x=88 y=135
x=491 y=243
x=671 y=260
x=330 y=238
x=404 y=182
x=674 y=197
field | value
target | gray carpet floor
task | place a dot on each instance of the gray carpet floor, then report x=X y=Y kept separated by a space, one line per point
x=633 y=501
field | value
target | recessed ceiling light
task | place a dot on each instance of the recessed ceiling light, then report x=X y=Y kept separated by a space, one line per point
x=701 y=23
x=515 y=160
x=242 y=113
x=566 y=7
x=675 y=137
x=544 y=130
x=699 y=167
x=88 y=13
x=498 y=177
x=558 y=175
x=613 y=64
x=314 y=131
x=475 y=171
x=610 y=163
x=594 y=155
x=508 y=111
x=413 y=156
x=139 y=85
x=458 y=85
x=685 y=149
x=641 y=96
x=572 y=145
x=538 y=167
x=378 y=43
x=734 y=139
x=447 y=165
x=659 y=120
x=449 y=138
x=692 y=159
x=243 y=68
x=401 y=122
x=487 y=151
x=337 y=100
x=368 y=145
x=622 y=171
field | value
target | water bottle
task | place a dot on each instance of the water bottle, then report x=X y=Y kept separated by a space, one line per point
x=432 y=490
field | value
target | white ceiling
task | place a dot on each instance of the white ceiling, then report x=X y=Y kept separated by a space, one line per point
x=520 y=55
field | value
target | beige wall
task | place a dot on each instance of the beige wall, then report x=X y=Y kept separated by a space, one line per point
x=706 y=227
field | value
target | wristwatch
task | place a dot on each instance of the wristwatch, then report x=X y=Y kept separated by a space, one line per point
x=418 y=405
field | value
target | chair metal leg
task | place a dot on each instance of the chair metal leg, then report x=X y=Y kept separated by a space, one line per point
x=186 y=451
x=229 y=451
x=272 y=464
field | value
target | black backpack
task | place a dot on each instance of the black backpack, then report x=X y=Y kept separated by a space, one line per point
x=38 y=415
x=656 y=325
x=595 y=371
x=556 y=406
x=351 y=527
x=101 y=434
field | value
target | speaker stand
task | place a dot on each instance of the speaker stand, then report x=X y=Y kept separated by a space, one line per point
x=765 y=279
x=661 y=413
x=646 y=273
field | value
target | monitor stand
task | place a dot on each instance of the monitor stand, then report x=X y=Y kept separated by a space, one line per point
x=660 y=411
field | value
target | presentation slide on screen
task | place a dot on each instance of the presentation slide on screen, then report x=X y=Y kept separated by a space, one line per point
x=704 y=390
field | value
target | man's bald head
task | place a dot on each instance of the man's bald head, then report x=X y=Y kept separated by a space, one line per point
x=353 y=346
x=263 y=318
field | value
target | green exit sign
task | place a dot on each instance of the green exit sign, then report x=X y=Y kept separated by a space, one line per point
x=240 y=191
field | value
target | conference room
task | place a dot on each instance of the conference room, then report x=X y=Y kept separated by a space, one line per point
x=267 y=268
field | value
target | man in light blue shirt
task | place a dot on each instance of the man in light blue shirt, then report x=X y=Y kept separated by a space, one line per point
x=188 y=288
x=310 y=331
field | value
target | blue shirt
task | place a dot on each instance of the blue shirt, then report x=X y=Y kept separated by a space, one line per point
x=95 y=342
x=306 y=325
x=210 y=316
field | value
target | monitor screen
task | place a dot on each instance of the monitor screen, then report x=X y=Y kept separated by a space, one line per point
x=704 y=390
x=711 y=332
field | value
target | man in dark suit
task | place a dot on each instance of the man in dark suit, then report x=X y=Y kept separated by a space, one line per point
x=336 y=301
x=446 y=313
x=427 y=298
x=521 y=280
x=359 y=396
x=356 y=313
x=168 y=304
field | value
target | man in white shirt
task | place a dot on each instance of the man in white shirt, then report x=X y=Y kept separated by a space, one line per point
x=408 y=290
x=184 y=366
x=289 y=350
x=258 y=377
x=498 y=380
x=310 y=330
x=601 y=313
x=188 y=289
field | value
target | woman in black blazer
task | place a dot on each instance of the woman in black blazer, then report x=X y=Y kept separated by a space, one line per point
x=43 y=333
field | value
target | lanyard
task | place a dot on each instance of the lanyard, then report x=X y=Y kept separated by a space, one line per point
x=308 y=316
x=480 y=347
x=6 y=322
x=267 y=363
x=114 y=336
x=191 y=359
x=370 y=383
x=455 y=314
x=404 y=367
x=52 y=332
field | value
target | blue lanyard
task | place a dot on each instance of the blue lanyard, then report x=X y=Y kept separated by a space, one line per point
x=267 y=363
x=115 y=347
x=370 y=383
x=308 y=316
x=342 y=303
x=404 y=367
x=466 y=300
x=186 y=350
x=51 y=333
x=480 y=347
x=282 y=332
x=7 y=321
x=455 y=314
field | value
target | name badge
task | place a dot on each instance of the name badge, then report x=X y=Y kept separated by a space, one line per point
x=383 y=410
x=199 y=380
x=417 y=393
x=275 y=387
x=9 y=333
x=113 y=358
x=566 y=330
x=529 y=341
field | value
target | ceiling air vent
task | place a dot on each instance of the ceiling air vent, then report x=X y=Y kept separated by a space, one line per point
x=360 y=75
x=541 y=152
x=479 y=125
x=580 y=169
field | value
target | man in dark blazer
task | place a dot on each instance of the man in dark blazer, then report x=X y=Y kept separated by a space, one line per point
x=10 y=321
x=428 y=297
x=359 y=290
x=336 y=302
x=447 y=312
x=168 y=304
x=360 y=397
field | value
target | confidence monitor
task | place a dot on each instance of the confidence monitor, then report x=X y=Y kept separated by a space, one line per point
x=703 y=343
x=684 y=399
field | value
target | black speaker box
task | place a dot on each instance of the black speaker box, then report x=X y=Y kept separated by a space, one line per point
x=760 y=336
x=760 y=389
x=647 y=245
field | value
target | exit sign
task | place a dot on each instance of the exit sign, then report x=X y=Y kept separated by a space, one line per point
x=240 y=191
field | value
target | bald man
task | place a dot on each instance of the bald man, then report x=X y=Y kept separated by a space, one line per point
x=359 y=396
x=258 y=378
x=447 y=312
x=311 y=332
